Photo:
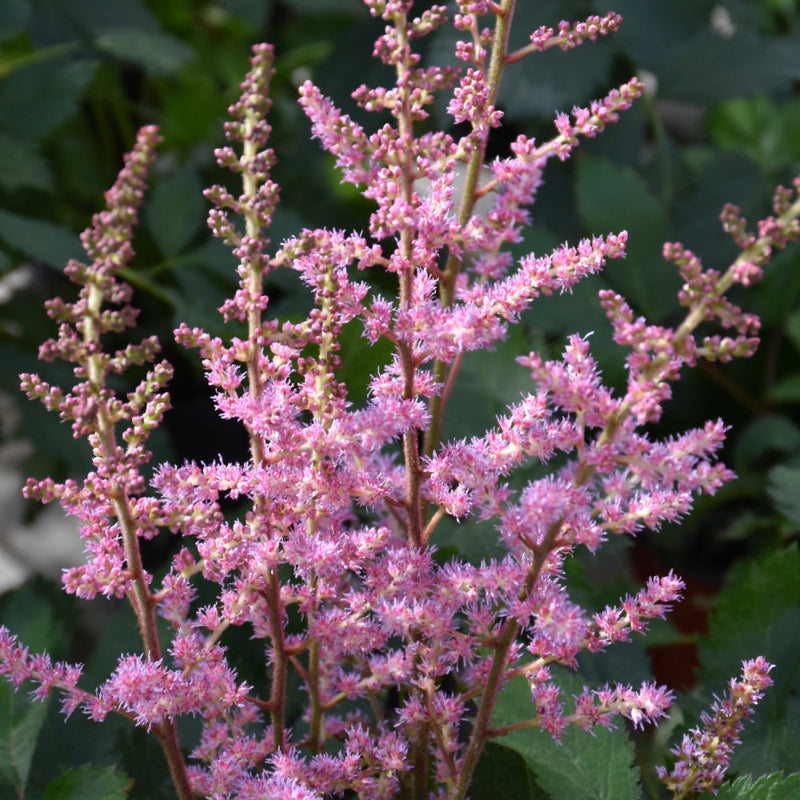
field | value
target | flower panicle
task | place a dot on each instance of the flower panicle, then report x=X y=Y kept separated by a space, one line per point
x=703 y=756
x=103 y=305
x=322 y=543
x=658 y=352
x=248 y=130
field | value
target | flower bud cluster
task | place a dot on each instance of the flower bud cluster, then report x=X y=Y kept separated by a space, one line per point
x=570 y=36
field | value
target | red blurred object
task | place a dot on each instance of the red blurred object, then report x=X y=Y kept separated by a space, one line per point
x=674 y=665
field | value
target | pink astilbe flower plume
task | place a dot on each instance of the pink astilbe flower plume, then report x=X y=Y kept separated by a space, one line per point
x=112 y=513
x=703 y=755
x=321 y=544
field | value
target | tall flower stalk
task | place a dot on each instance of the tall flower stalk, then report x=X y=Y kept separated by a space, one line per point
x=331 y=563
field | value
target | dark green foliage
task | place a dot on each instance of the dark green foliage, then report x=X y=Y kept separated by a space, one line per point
x=758 y=613
x=581 y=766
x=502 y=766
x=772 y=787
x=88 y=783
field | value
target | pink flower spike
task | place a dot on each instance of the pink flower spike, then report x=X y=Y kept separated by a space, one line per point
x=703 y=756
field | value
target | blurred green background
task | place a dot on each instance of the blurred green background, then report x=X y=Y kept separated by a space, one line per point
x=720 y=123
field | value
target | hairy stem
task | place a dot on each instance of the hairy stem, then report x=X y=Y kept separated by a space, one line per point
x=139 y=596
x=411 y=452
x=480 y=731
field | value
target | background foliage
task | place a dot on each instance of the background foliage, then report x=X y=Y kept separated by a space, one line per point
x=720 y=123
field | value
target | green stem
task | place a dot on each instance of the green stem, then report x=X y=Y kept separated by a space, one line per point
x=449 y=275
x=271 y=593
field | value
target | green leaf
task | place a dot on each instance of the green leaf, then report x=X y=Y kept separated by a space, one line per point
x=718 y=177
x=741 y=123
x=612 y=198
x=21 y=165
x=158 y=53
x=97 y=18
x=710 y=68
x=652 y=32
x=28 y=611
x=40 y=240
x=174 y=210
x=256 y=12
x=89 y=783
x=20 y=724
x=625 y=662
x=488 y=381
x=766 y=436
x=778 y=295
x=769 y=741
x=784 y=488
x=758 y=613
x=770 y=787
x=31 y=614
x=758 y=126
x=360 y=360
x=38 y=97
x=583 y=766
x=503 y=766
x=786 y=390
x=201 y=289
x=560 y=80
x=325 y=6
x=13 y=18
x=756 y=596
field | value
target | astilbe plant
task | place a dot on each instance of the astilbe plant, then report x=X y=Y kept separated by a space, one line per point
x=401 y=657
